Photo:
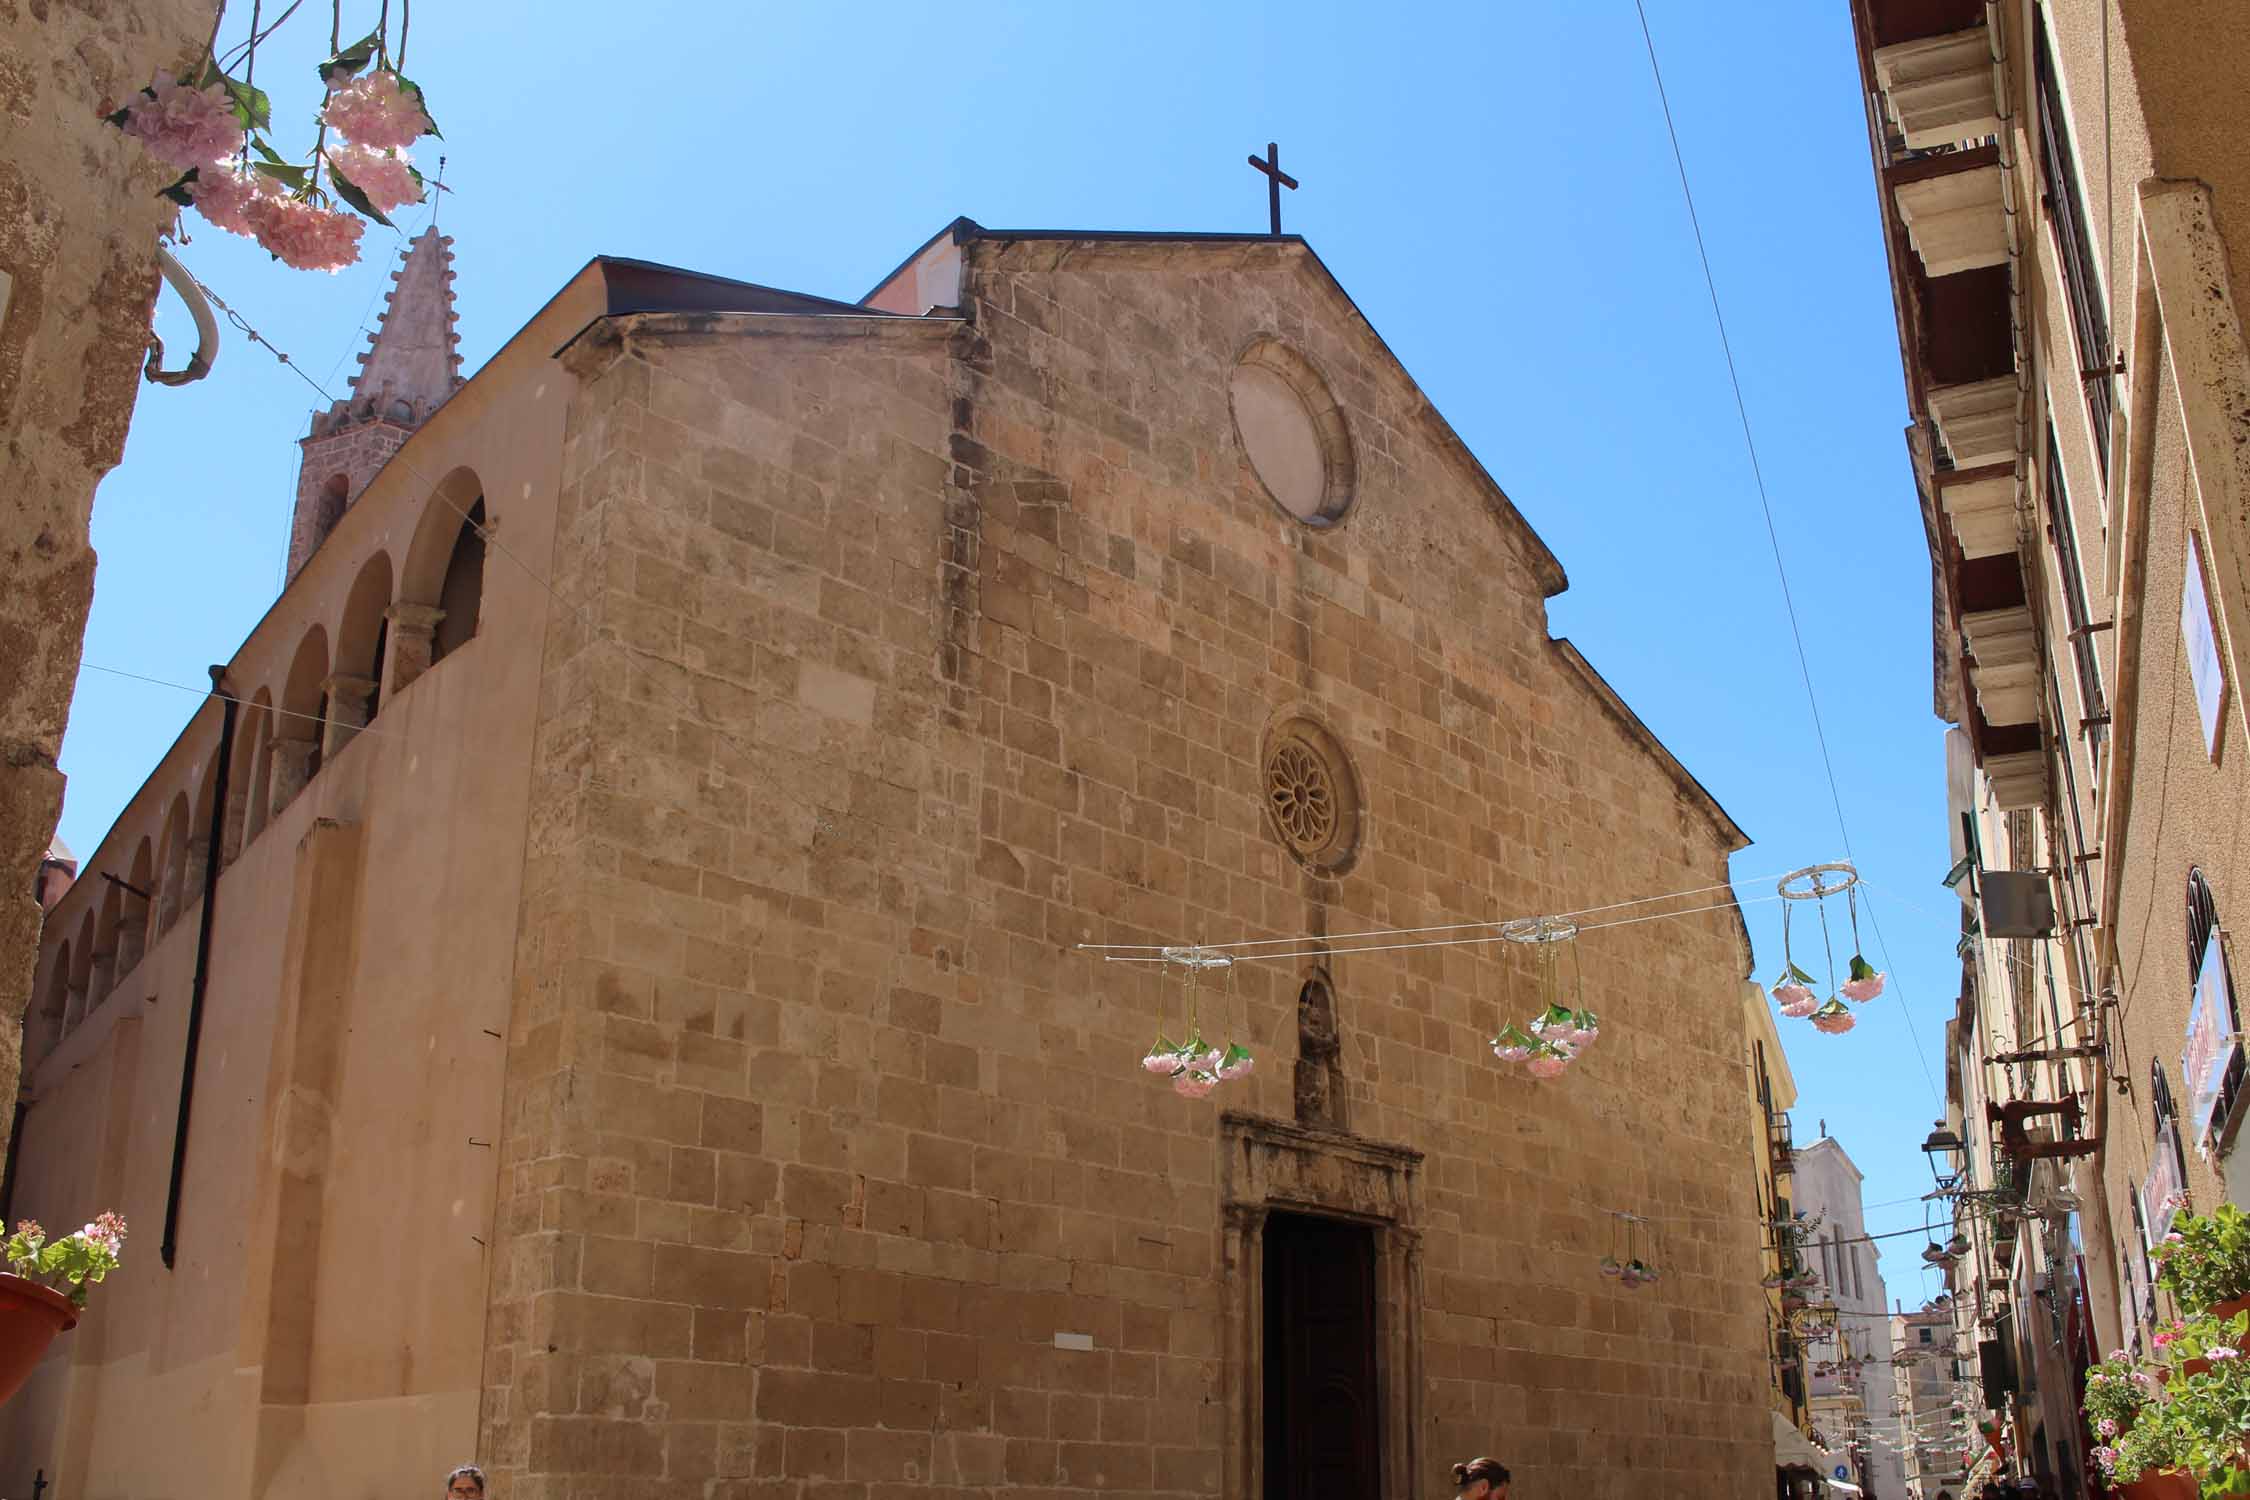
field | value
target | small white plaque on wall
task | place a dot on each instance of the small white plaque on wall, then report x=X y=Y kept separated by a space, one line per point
x=2202 y=635
x=1079 y=1341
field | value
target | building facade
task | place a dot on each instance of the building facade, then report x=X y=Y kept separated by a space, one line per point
x=79 y=221
x=2065 y=198
x=1931 y=1433
x=1799 y=1467
x=1853 y=1394
x=645 y=1038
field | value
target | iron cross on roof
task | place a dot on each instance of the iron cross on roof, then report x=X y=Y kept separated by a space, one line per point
x=1276 y=180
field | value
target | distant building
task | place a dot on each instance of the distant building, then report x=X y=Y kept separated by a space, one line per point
x=1852 y=1393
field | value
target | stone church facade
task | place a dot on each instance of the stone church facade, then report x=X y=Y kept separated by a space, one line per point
x=653 y=1050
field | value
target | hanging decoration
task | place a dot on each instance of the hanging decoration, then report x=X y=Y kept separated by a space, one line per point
x=1195 y=1066
x=214 y=128
x=1632 y=1270
x=1793 y=989
x=1550 y=1042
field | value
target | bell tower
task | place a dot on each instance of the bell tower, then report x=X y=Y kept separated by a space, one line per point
x=407 y=371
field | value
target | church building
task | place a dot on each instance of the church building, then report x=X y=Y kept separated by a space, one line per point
x=617 y=983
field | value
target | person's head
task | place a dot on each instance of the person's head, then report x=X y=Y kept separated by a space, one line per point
x=465 y=1483
x=1481 y=1479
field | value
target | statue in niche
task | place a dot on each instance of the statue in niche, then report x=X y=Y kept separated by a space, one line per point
x=1320 y=1078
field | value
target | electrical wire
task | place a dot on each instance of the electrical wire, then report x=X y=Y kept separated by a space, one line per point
x=1765 y=505
x=1321 y=950
x=1338 y=937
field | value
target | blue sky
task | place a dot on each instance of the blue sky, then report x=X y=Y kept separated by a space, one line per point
x=1493 y=185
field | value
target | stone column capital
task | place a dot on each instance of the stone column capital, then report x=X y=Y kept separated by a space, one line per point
x=419 y=619
x=347 y=691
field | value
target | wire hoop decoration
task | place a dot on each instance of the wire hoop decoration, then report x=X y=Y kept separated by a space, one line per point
x=1539 y=930
x=1196 y=958
x=1811 y=883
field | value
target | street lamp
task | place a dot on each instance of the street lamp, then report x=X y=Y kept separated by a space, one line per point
x=1948 y=1156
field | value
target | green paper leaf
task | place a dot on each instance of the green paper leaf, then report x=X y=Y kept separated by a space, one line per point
x=1861 y=968
x=119 y=117
x=350 y=60
x=352 y=195
x=1235 y=1053
x=422 y=99
x=251 y=106
x=1799 y=975
x=178 y=191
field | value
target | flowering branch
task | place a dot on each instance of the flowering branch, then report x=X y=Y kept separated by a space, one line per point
x=214 y=127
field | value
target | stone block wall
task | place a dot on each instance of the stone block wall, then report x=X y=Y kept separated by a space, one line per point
x=353 y=453
x=79 y=218
x=914 y=654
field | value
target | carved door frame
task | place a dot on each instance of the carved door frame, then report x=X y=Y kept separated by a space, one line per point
x=1267 y=1165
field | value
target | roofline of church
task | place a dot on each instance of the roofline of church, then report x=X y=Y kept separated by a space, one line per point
x=1618 y=708
x=1553 y=579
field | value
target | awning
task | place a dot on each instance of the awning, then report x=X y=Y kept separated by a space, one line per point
x=1838 y=1487
x=1793 y=1450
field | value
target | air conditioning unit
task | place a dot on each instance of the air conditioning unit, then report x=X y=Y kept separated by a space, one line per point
x=2017 y=904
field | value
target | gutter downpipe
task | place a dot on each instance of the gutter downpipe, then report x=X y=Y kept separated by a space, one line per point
x=212 y=861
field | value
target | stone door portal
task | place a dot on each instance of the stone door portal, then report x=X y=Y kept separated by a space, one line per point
x=1323 y=1412
x=1323 y=1273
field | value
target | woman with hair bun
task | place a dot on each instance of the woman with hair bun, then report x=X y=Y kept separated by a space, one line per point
x=1481 y=1479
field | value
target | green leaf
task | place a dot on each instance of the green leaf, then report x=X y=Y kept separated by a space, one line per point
x=351 y=59
x=422 y=99
x=258 y=144
x=296 y=179
x=251 y=106
x=352 y=195
x=178 y=191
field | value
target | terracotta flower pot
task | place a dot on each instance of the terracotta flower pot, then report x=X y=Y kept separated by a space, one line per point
x=2172 y=1484
x=2225 y=1310
x=30 y=1317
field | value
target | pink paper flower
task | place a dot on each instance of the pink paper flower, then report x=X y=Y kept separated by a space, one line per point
x=1833 y=1022
x=1796 y=1000
x=1192 y=1085
x=187 y=127
x=305 y=237
x=1161 y=1062
x=1239 y=1068
x=386 y=177
x=377 y=111
x=225 y=197
x=1547 y=1067
x=1859 y=991
x=1507 y=1053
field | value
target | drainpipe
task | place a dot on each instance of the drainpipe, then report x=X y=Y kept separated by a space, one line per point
x=212 y=860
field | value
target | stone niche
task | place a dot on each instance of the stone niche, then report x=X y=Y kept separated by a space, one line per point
x=1269 y=1166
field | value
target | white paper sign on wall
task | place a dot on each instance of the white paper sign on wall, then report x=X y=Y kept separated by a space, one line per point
x=2202 y=634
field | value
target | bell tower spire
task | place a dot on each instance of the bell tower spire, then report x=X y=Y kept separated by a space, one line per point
x=409 y=368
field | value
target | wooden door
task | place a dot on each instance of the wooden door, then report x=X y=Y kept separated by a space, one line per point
x=1323 y=1411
